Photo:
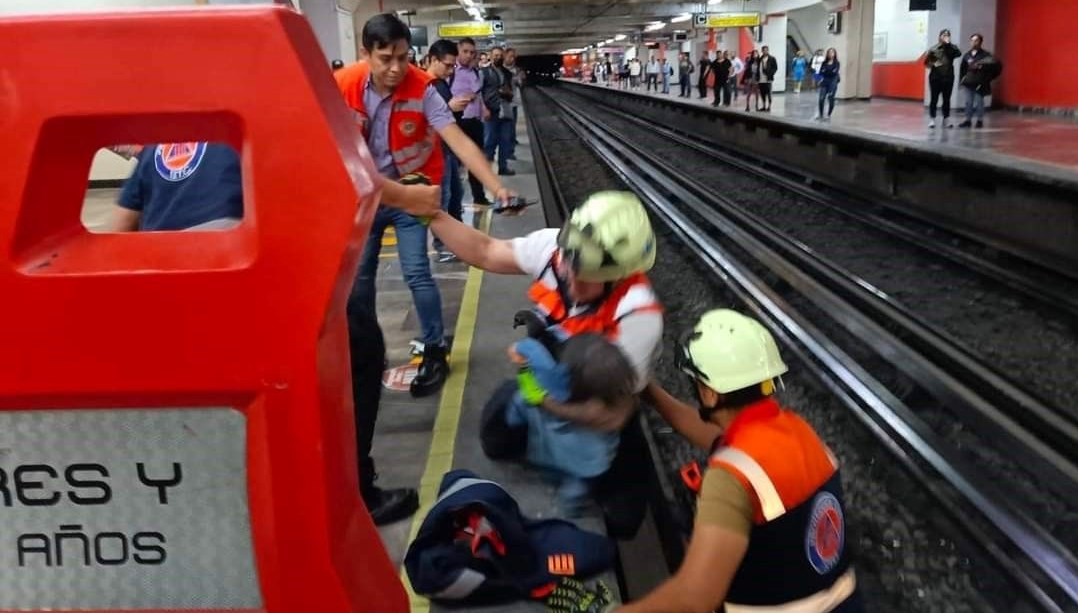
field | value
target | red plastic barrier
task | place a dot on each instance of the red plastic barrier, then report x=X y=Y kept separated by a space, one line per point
x=154 y=387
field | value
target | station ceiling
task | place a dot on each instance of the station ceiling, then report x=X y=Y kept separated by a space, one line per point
x=554 y=26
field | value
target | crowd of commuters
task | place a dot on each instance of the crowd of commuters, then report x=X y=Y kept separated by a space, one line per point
x=728 y=76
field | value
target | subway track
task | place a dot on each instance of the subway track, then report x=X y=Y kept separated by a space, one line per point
x=939 y=411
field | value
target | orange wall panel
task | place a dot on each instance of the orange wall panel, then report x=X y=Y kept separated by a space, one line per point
x=899 y=79
x=1038 y=70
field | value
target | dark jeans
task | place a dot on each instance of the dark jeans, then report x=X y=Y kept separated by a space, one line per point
x=499 y=133
x=653 y=81
x=513 y=147
x=474 y=129
x=701 y=84
x=367 y=351
x=940 y=87
x=765 y=95
x=722 y=92
x=686 y=87
x=415 y=268
x=828 y=89
x=452 y=190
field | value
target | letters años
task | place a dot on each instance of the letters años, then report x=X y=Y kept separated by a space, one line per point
x=85 y=484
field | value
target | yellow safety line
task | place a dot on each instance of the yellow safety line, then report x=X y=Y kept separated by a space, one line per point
x=440 y=456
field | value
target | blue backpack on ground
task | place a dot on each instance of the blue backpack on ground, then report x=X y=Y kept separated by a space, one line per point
x=474 y=547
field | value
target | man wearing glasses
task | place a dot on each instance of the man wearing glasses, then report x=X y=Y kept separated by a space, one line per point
x=443 y=60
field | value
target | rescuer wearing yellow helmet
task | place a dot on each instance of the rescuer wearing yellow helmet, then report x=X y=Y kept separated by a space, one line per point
x=770 y=523
x=589 y=277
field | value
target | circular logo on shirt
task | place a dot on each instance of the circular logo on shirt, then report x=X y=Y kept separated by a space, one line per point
x=176 y=161
x=408 y=127
x=826 y=533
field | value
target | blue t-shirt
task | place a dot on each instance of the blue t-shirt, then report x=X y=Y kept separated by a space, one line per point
x=180 y=185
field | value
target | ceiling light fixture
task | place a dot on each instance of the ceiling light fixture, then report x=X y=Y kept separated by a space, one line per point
x=658 y=25
x=621 y=37
x=713 y=2
x=610 y=41
x=682 y=17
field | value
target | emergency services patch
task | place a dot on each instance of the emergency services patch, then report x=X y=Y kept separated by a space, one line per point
x=408 y=127
x=176 y=161
x=826 y=533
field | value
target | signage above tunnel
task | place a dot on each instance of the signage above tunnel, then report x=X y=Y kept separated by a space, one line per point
x=726 y=20
x=461 y=29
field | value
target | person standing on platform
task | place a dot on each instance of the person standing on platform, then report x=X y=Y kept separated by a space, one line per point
x=518 y=81
x=817 y=61
x=721 y=69
x=829 y=80
x=940 y=63
x=685 y=70
x=979 y=69
x=701 y=79
x=666 y=71
x=634 y=73
x=735 y=72
x=751 y=79
x=800 y=64
x=443 y=60
x=769 y=66
x=404 y=122
x=770 y=531
x=498 y=104
x=466 y=83
x=652 y=72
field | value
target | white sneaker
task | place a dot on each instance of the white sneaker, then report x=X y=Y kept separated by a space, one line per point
x=932 y=123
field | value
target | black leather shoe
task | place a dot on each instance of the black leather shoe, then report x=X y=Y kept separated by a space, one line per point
x=507 y=172
x=388 y=506
x=432 y=372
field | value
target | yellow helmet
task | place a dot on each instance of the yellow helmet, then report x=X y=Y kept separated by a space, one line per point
x=728 y=351
x=608 y=238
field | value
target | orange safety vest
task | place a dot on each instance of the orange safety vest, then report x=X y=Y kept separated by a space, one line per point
x=630 y=295
x=413 y=143
x=797 y=557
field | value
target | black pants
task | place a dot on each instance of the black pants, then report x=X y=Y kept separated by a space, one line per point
x=367 y=348
x=701 y=84
x=940 y=86
x=686 y=87
x=474 y=129
x=721 y=93
x=652 y=82
x=765 y=95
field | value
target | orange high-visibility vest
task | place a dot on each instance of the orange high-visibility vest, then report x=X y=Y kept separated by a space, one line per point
x=413 y=143
x=630 y=295
x=799 y=532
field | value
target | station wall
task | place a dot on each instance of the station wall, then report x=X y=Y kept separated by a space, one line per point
x=1038 y=70
x=900 y=38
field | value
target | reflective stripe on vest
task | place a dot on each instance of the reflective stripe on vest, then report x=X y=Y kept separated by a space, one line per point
x=408 y=105
x=824 y=600
x=770 y=502
x=631 y=295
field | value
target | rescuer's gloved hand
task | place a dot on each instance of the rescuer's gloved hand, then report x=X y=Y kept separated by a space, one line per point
x=530 y=390
x=534 y=324
x=572 y=596
x=552 y=377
